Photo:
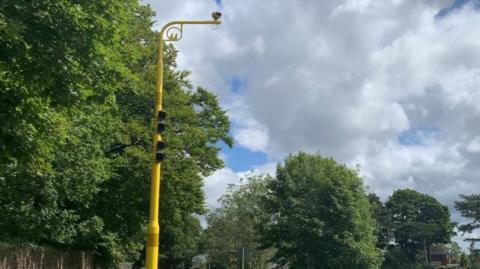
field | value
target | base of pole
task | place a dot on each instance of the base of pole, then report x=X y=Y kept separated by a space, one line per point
x=152 y=246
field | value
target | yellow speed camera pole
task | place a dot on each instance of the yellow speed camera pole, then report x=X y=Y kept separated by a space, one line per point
x=172 y=31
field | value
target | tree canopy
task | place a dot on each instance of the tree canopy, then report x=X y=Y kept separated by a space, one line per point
x=418 y=221
x=319 y=216
x=234 y=226
x=77 y=85
x=382 y=221
x=469 y=207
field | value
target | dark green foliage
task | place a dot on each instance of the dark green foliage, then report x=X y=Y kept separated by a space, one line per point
x=320 y=216
x=380 y=214
x=464 y=261
x=418 y=221
x=77 y=83
x=394 y=258
x=469 y=207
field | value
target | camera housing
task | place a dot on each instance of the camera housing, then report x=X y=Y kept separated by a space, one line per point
x=216 y=15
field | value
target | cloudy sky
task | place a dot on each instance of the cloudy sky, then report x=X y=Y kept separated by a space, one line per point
x=392 y=86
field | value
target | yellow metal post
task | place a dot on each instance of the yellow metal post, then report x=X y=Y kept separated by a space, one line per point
x=172 y=31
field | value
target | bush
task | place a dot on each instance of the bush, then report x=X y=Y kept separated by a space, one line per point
x=395 y=259
x=475 y=265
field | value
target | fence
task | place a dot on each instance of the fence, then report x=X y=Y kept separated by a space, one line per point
x=14 y=257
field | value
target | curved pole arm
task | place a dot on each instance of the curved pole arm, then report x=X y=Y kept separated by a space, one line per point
x=171 y=32
x=166 y=35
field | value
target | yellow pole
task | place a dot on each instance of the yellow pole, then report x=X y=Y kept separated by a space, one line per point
x=172 y=31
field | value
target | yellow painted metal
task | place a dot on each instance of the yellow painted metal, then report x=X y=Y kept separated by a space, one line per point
x=153 y=236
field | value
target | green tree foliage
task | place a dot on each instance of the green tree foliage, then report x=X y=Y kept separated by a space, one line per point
x=469 y=207
x=77 y=85
x=319 y=216
x=380 y=214
x=394 y=258
x=464 y=261
x=418 y=221
x=234 y=225
x=59 y=69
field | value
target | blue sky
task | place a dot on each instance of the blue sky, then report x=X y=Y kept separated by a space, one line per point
x=240 y=159
x=237 y=84
x=417 y=136
x=457 y=4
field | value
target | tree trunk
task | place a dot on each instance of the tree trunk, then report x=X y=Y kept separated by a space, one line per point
x=425 y=255
x=428 y=252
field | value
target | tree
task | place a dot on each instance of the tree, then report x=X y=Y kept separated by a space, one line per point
x=469 y=208
x=319 y=216
x=77 y=83
x=380 y=214
x=394 y=258
x=234 y=225
x=418 y=221
x=60 y=68
x=464 y=261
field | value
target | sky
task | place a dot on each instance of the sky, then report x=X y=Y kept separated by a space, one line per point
x=391 y=87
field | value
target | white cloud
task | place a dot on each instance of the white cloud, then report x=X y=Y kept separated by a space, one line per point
x=217 y=184
x=248 y=132
x=474 y=145
x=253 y=138
x=346 y=78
